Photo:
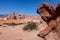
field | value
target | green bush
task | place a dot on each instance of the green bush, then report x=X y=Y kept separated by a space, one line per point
x=30 y=26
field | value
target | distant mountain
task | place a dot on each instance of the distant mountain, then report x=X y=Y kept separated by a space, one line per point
x=3 y=15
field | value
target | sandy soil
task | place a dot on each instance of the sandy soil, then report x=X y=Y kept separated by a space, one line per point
x=16 y=33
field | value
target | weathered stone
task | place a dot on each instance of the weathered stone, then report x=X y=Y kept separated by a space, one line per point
x=51 y=15
x=11 y=16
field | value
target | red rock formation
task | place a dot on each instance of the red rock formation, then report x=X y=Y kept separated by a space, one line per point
x=51 y=15
x=21 y=16
x=11 y=16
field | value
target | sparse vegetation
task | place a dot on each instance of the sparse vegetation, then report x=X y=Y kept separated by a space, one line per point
x=30 y=26
x=12 y=24
x=41 y=21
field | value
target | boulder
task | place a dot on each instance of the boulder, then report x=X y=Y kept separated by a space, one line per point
x=51 y=15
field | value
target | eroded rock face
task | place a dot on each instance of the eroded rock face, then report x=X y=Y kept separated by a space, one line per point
x=48 y=12
x=51 y=15
x=11 y=16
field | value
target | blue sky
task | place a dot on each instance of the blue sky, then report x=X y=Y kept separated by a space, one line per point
x=28 y=7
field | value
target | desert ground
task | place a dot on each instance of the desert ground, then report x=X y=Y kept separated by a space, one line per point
x=17 y=33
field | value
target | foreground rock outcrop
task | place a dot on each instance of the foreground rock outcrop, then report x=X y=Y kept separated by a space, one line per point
x=51 y=15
